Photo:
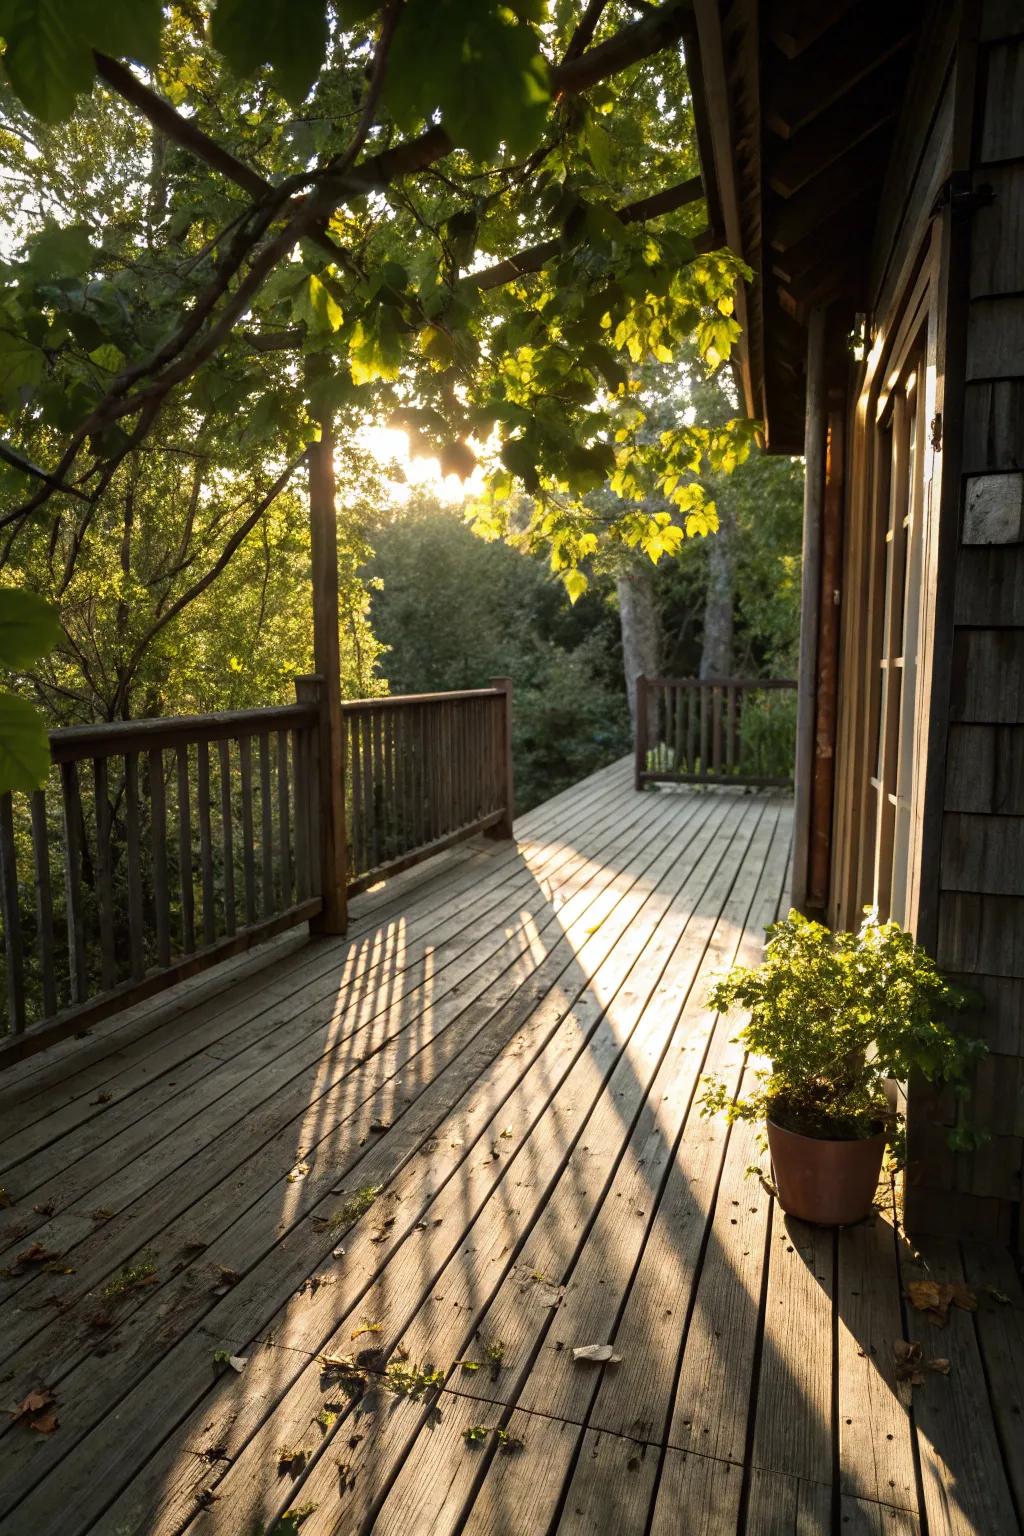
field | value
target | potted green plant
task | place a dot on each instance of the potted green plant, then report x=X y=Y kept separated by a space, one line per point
x=837 y=1016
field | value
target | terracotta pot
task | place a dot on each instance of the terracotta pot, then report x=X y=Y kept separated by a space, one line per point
x=828 y=1183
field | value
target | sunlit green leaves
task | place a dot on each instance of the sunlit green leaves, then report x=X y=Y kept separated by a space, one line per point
x=49 y=46
x=476 y=62
x=316 y=306
x=289 y=35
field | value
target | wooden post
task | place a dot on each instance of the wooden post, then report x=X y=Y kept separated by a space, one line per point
x=506 y=782
x=331 y=833
x=816 y=423
x=640 y=761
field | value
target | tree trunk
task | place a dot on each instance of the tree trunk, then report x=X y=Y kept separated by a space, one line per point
x=716 y=655
x=641 y=627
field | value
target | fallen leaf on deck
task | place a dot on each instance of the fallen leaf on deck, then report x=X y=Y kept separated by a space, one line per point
x=102 y=1214
x=597 y=1353
x=36 y=1254
x=238 y=1363
x=368 y=1328
x=102 y=1098
x=337 y=1253
x=38 y=1409
x=380 y=1126
x=298 y=1172
x=934 y=1298
x=44 y=1208
x=997 y=1295
x=5 y=1199
x=911 y=1366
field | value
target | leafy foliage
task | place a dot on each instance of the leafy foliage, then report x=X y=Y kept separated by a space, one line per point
x=837 y=1014
x=452 y=611
x=28 y=629
x=353 y=276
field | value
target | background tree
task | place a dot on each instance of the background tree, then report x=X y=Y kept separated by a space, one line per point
x=453 y=611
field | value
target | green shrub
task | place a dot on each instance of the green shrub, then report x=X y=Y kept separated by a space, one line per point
x=836 y=1015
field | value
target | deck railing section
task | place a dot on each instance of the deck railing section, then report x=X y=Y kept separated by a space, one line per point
x=424 y=771
x=159 y=847
x=715 y=730
x=156 y=847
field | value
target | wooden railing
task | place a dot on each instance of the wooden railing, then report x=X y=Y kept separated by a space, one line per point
x=715 y=730
x=159 y=847
x=424 y=770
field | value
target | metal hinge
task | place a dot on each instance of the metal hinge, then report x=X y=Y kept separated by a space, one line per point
x=959 y=195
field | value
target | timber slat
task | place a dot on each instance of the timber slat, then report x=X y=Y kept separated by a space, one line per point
x=506 y=1049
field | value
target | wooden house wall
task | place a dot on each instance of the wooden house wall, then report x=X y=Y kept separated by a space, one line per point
x=964 y=114
x=980 y=931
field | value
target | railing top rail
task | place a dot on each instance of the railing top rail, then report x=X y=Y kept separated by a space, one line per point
x=108 y=739
x=722 y=682
x=399 y=700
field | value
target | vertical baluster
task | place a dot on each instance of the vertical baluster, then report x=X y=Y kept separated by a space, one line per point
x=663 y=728
x=388 y=818
x=248 y=834
x=227 y=836
x=691 y=730
x=44 y=902
x=158 y=834
x=104 y=872
x=73 y=880
x=422 y=834
x=704 y=726
x=716 y=730
x=9 y=911
x=266 y=827
x=730 y=750
x=205 y=840
x=302 y=881
x=133 y=857
x=369 y=823
x=355 y=786
x=188 y=913
x=283 y=820
x=401 y=784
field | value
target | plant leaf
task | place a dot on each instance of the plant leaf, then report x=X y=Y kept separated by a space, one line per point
x=24 y=745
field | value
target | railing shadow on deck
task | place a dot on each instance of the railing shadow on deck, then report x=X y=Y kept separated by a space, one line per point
x=543 y=926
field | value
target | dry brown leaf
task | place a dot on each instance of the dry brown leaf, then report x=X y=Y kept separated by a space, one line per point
x=934 y=1298
x=911 y=1366
x=38 y=1409
x=36 y=1254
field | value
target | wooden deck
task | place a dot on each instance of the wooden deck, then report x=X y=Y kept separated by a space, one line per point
x=500 y=1064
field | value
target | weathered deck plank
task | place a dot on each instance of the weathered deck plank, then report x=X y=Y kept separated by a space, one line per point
x=506 y=1049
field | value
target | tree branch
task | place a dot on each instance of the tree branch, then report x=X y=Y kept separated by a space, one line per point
x=198 y=587
x=18 y=460
x=537 y=256
x=306 y=217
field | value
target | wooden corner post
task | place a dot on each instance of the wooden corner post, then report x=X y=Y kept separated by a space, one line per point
x=331 y=832
x=506 y=781
x=640 y=748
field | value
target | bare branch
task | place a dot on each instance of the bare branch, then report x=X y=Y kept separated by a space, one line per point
x=198 y=587
x=18 y=460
